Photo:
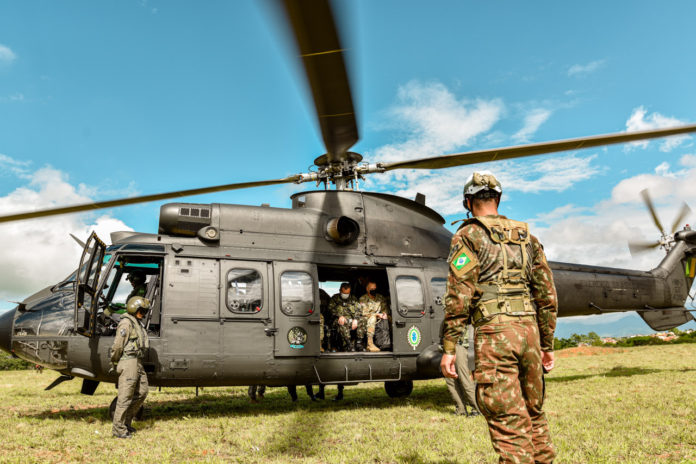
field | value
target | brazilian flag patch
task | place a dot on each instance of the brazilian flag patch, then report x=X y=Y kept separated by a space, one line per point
x=461 y=261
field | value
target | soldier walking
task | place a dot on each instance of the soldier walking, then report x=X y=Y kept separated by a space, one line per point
x=130 y=345
x=499 y=280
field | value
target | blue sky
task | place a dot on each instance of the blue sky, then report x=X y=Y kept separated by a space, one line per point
x=106 y=99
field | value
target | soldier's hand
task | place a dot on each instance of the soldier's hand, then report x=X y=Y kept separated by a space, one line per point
x=354 y=325
x=341 y=320
x=447 y=365
x=383 y=315
x=547 y=360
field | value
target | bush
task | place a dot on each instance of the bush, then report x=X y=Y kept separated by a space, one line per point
x=8 y=363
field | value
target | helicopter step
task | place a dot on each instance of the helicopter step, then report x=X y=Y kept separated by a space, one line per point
x=357 y=369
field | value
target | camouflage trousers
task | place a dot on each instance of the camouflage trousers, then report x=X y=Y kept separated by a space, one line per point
x=510 y=391
x=344 y=333
x=132 y=391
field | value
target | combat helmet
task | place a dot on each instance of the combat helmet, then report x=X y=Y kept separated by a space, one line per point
x=137 y=302
x=137 y=277
x=482 y=185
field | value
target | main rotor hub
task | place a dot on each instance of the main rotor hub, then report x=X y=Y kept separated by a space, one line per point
x=349 y=157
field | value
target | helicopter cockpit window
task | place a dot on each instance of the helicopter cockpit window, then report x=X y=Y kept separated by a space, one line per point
x=244 y=291
x=409 y=294
x=438 y=288
x=296 y=293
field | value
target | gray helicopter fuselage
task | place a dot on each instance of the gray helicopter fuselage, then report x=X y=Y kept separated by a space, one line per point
x=201 y=335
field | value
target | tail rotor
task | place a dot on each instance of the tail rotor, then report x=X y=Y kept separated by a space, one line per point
x=665 y=241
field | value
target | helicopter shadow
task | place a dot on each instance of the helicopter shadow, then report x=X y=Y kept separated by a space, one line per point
x=277 y=403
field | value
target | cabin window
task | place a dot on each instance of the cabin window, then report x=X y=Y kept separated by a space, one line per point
x=438 y=288
x=244 y=291
x=409 y=294
x=296 y=293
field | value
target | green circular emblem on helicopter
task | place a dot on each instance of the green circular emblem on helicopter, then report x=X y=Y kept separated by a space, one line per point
x=414 y=336
x=297 y=337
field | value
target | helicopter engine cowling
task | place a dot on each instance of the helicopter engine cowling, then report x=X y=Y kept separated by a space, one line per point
x=342 y=230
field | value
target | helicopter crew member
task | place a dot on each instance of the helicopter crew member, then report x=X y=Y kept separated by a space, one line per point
x=137 y=279
x=500 y=281
x=129 y=348
x=373 y=307
x=345 y=311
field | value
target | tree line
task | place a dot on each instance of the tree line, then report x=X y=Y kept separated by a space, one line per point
x=592 y=339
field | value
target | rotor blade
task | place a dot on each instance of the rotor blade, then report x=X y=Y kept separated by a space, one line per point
x=143 y=199
x=323 y=58
x=683 y=213
x=79 y=242
x=497 y=154
x=641 y=247
x=651 y=208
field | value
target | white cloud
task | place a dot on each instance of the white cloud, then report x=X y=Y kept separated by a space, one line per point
x=640 y=120
x=435 y=122
x=9 y=165
x=600 y=234
x=532 y=121
x=6 y=54
x=585 y=69
x=38 y=252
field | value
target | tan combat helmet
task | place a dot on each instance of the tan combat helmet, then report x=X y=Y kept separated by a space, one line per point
x=482 y=185
x=136 y=303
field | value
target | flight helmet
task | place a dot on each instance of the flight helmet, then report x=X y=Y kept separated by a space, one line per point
x=137 y=302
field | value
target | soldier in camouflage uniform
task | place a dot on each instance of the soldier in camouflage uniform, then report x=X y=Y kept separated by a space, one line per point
x=373 y=306
x=129 y=348
x=499 y=280
x=345 y=311
x=462 y=389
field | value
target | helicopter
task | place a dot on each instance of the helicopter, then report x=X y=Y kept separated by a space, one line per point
x=236 y=290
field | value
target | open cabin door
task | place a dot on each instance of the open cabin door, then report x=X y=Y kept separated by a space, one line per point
x=297 y=315
x=87 y=280
x=410 y=311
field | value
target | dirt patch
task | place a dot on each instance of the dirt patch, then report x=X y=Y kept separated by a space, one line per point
x=587 y=351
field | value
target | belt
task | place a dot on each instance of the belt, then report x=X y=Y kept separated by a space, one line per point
x=505 y=318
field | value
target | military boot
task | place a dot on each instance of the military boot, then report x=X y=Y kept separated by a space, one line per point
x=359 y=346
x=371 y=345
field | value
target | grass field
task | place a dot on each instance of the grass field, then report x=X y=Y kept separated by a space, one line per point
x=634 y=405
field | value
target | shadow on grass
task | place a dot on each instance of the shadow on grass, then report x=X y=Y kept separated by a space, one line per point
x=435 y=398
x=617 y=371
x=414 y=458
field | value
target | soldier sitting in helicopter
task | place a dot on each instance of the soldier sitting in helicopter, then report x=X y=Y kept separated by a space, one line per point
x=137 y=279
x=348 y=322
x=374 y=308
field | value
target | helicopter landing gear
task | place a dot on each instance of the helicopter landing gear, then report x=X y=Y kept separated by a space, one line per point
x=112 y=408
x=398 y=388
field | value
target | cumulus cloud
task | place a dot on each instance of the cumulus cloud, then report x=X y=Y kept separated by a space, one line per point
x=6 y=54
x=434 y=121
x=37 y=253
x=600 y=234
x=640 y=120
x=532 y=121
x=578 y=70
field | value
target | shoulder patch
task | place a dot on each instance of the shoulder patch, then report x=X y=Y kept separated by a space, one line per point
x=123 y=332
x=462 y=261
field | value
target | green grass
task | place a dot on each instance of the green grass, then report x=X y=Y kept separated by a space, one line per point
x=632 y=405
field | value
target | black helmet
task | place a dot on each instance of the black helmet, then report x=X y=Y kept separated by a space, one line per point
x=136 y=276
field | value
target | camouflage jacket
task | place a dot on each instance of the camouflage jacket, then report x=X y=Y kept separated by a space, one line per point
x=464 y=290
x=371 y=306
x=349 y=308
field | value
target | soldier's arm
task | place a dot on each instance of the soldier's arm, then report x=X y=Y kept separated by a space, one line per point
x=461 y=286
x=544 y=296
x=334 y=309
x=120 y=340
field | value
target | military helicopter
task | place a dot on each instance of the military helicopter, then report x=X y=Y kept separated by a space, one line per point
x=235 y=289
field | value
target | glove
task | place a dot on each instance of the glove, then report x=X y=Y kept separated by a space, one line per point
x=107 y=312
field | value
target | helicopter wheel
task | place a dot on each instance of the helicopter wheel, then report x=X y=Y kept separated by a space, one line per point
x=112 y=409
x=398 y=388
